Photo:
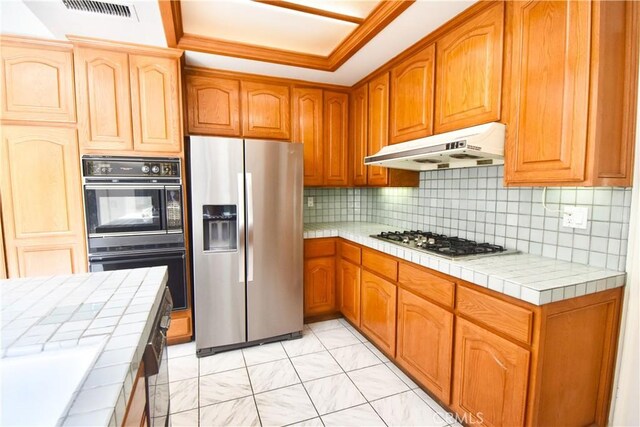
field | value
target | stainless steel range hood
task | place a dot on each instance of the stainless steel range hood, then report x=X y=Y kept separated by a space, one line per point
x=481 y=145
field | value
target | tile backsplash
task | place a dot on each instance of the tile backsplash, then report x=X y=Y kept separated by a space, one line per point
x=473 y=204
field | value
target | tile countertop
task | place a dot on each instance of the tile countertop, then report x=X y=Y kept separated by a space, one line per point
x=51 y=313
x=531 y=278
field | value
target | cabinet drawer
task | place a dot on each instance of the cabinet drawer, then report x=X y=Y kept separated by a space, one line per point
x=512 y=320
x=426 y=284
x=314 y=248
x=350 y=252
x=380 y=263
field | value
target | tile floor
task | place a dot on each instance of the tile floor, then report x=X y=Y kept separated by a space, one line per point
x=332 y=376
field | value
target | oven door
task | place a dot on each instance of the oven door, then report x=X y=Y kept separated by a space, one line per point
x=174 y=260
x=116 y=210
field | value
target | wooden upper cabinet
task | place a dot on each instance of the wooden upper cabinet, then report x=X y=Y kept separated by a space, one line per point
x=155 y=103
x=213 y=106
x=319 y=286
x=378 y=311
x=336 y=135
x=359 y=122
x=265 y=110
x=103 y=98
x=42 y=209
x=412 y=84
x=469 y=71
x=307 y=129
x=378 y=129
x=349 y=290
x=37 y=81
x=571 y=121
x=425 y=342
x=490 y=377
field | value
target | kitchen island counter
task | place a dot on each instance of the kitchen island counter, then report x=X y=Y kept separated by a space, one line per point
x=112 y=312
x=531 y=278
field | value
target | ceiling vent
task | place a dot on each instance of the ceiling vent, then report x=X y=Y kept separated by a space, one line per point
x=103 y=8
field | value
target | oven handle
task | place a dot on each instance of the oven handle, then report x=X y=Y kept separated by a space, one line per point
x=123 y=187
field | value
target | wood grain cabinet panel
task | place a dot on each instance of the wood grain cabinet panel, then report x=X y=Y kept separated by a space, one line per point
x=136 y=413
x=349 y=290
x=103 y=98
x=336 y=136
x=3 y=265
x=359 y=122
x=490 y=377
x=425 y=342
x=378 y=128
x=37 y=82
x=469 y=71
x=308 y=130
x=155 y=103
x=378 y=311
x=213 y=106
x=319 y=286
x=412 y=84
x=265 y=110
x=41 y=201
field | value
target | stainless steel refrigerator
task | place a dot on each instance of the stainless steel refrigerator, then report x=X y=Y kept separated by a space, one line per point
x=247 y=243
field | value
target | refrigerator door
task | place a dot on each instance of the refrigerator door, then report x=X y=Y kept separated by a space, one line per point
x=274 y=238
x=217 y=221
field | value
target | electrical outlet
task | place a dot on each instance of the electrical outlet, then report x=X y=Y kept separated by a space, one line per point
x=310 y=202
x=575 y=217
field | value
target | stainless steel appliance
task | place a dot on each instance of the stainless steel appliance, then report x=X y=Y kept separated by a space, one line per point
x=246 y=210
x=441 y=245
x=134 y=216
x=156 y=366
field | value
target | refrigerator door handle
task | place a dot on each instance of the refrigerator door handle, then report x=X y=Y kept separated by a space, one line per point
x=241 y=229
x=249 y=228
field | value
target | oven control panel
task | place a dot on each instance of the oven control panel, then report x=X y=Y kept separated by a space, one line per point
x=130 y=167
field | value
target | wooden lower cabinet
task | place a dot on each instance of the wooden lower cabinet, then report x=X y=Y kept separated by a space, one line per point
x=180 y=330
x=378 y=311
x=136 y=414
x=490 y=377
x=424 y=343
x=349 y=290
x=319 y=286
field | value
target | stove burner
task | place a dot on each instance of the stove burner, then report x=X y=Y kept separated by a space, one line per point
x=452 y=247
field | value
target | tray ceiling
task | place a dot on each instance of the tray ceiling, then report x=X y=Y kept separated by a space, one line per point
x=305 y=33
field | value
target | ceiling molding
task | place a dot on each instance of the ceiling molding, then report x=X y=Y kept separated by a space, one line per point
x=377 y=20
x=311 y=10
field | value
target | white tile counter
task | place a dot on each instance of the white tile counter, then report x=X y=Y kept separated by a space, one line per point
x=113 y=310
x=531 y=278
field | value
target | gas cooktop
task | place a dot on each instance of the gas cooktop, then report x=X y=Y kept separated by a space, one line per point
x=441 y=245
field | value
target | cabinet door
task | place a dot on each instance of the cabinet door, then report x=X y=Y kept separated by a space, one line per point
x=378 y=135
x=3 y=266
x=336 y=131
x=469 y=72
x=378 y=311
x=307 y=129
x=213 y=106
x=548 y=91
x=103 y=96
x=155 y=103
x=425 y=342
x=37 y=84
x=359 y=122
x=349 y=290
x=41 y=201
x=490 y=377
x=412 y=97
x=319 y=286
x=265 y=110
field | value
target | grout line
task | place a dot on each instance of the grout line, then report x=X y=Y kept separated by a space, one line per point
x=253 y=395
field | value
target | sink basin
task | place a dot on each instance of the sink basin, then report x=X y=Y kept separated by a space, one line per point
x=38 y=389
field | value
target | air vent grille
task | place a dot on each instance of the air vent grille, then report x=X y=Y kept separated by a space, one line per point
x=98 y=7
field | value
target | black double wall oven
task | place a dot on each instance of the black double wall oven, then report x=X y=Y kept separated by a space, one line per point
x=134 y=216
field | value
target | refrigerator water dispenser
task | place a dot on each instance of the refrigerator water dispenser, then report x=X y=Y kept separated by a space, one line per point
x=220 y=228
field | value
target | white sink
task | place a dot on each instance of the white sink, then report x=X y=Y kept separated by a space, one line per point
x=37 y=389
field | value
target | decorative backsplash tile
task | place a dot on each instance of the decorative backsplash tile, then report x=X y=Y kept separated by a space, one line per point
x=474 y=204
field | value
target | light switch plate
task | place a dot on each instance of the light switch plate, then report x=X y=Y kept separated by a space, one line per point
x=575 y=217
x=310 y=202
